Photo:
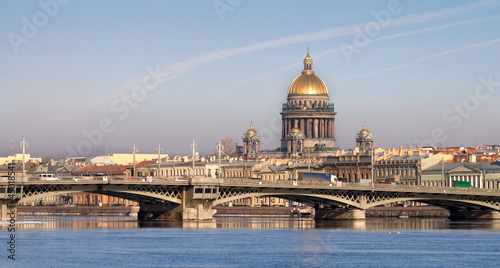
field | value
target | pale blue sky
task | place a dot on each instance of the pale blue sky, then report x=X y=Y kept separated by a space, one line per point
x=71 y=66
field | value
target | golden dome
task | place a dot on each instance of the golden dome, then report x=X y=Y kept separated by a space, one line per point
x=364 y=130
x=295 y=133
x=251 y=130
x=295 y=128
x=308 y=83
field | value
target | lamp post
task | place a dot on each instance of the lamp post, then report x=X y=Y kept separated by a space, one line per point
x=309 y=160
x=133 y=150
x=193 y=147
x=442 y=172
x=159 y=150
x=245 y=175
x=373 y=164
x=24 y=145
x=219 y=147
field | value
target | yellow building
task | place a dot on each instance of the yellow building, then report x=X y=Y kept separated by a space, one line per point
x=18 y=158
x=124 y=159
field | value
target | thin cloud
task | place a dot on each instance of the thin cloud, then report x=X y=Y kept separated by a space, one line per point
x=414 y=32
x=324 y=53
x=426 y=58
x=178 y=69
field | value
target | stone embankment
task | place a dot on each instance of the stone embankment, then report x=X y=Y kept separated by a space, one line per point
x=285 y=212
x=77 y=211
x=262 y=212
x=256 y=212
x=422 y=212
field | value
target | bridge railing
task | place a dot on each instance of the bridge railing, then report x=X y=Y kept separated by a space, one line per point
x=378 y=186
x=105 y=178
x=256 y=182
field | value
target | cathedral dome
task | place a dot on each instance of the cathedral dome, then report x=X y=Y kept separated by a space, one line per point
x=307 y=83
x=364 y=130
x=296 y=133
x=251 y=130
x=364 y=133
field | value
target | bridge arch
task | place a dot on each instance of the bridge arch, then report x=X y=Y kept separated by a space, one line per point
x=360 y=199
x=445 y=201
x=138 y=193
x=314 y=197
x=309 y=199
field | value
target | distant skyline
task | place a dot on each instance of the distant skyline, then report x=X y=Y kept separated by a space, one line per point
x=80 y=78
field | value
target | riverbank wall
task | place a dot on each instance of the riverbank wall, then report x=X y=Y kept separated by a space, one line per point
x=402 y=212
x=230 y=212
x=76 y=211
x=253 y=212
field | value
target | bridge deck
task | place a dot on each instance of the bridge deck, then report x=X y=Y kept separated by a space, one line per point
x=251 y=183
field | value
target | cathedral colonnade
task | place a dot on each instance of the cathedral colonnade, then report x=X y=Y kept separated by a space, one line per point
x=308 y=116
x=312 y=127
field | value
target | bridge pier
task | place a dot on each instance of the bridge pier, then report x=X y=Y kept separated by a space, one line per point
x=197 y=202
x=474 y=214
x=159 y=212
x=8 y=210
x=340 y=214
x=198 y=211
x=194 y=210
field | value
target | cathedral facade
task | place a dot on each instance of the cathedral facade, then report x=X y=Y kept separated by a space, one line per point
x=308 y=116
x=308 y=119
x=364 y=140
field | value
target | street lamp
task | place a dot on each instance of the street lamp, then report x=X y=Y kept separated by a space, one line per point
x=159 y=150
x=373 y=155
x=219 y=147
x=133 y=150
x=194 y=147
x=442 y=172
x=309 y=162
x=24 y=145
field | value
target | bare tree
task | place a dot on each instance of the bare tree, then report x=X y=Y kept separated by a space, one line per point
x=47 y=159
x=229 y=147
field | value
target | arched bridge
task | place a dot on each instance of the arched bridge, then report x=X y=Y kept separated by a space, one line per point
x=192 y=199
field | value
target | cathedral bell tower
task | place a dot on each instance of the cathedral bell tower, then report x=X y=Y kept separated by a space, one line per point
x=364 y=139
x=251 y=142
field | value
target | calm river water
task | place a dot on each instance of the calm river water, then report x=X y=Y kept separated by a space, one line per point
x=122 y=242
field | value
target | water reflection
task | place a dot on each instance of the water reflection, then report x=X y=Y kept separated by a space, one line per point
x=383 y=224
x=267 y=223
x=73 y=222
x=234 y=224
x=374 y=224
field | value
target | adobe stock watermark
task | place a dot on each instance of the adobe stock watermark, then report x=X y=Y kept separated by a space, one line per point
x=31 y=26
x=371 y=30
x=121 y=107
x=11 y=207
x=223 y=6
x=269 y=133
x=321 y=252
x=461 y=111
